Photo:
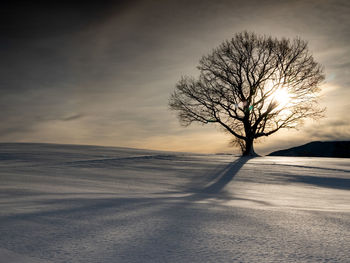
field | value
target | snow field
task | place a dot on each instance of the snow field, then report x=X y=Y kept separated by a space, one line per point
x=65 y=203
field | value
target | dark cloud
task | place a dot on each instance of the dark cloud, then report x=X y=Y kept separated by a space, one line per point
x=37 y=19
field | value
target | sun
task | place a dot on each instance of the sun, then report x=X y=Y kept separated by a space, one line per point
x=278 y=94
x=281 y=97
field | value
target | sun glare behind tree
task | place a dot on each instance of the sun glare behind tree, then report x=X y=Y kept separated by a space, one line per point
x=282 y=97
x=252 y=86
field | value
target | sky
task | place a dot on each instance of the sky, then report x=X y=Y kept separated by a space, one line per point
x=101 y=73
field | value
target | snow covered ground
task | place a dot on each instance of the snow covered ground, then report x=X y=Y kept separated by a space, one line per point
x=64 y=203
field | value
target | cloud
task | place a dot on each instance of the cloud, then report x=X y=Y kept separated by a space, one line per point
x=72 y=117
x=336 y=130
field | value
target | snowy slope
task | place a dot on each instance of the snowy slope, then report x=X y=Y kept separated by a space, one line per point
x=65 y=203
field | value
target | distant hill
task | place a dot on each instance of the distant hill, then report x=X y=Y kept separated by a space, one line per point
x=339 y=149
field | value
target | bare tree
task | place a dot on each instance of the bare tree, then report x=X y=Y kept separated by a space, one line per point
x=252 y=86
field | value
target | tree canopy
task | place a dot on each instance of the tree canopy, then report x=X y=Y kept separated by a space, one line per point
x=252 y=86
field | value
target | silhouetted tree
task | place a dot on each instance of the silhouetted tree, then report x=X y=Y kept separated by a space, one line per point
x=252 y=86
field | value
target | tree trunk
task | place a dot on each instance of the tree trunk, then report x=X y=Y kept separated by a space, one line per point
x=249 y=148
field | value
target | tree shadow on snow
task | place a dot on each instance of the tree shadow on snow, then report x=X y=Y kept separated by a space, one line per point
x=225 y=176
